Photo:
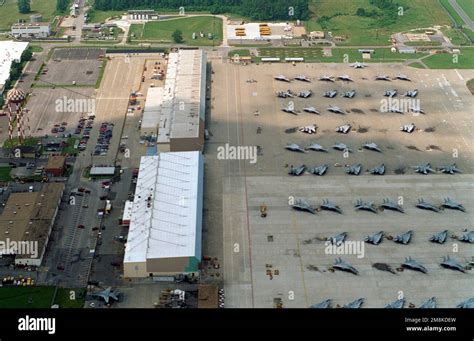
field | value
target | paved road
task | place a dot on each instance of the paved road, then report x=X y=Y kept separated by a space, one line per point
x=468 y=22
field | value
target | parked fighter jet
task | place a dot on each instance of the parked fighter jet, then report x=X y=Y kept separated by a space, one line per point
x=303 y=205
x=309 y=129
x=305 y=94
x=428 y=304
x=355 y=304
x=330 y=93
x=450 y=203
x=282 y=78
x=402 y=77
x=378 y=170
x=426 y=205
x=372 y=146
x=468 y=237
x=424 y=168
x=439 y=237
x=375 y=238
x=344 y=266
x=450 y=169
x=408 y=128
x=337 y=239
x=382 y=78
x=326 y=78
x=391 y=93
x=395 y=109
x=336 y=110
x=316 y=147
x=290 y=109
x=311 y=110
x=398 y=304
x=297 y=171
x=322 y=305
x=392 y=205
x=412 y=264
x=354 y=169
x=303 y=78
x=365 y=206
x=294 y=148
x=358 y=65
x=319 y=170
x=412 y=93
x=108 y=295
x=403 y=238
x=285 y=94
x=345 y=78
x=341 y=146
x=330 y=206
x=344 y=129
x=416 y=109
x=469 y=303
x=349 y=94
x=452 y=264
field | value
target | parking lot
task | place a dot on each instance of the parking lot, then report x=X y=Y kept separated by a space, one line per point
x=249 y=114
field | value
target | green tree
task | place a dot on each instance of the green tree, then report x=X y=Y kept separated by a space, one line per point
x=26 y=55
x=62 y=5
x=178 y=36
x=24 y=6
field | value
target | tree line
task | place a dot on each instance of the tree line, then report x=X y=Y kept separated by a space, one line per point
x=253 y=9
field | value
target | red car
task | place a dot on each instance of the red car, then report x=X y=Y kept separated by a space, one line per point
x=80 y=226
x=81 y=189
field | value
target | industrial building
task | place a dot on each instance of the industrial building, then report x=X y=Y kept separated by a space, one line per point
x=31 y=30
x=56 y=165
x=10 y=51
x=152 y=111
x=166 y=217
x=27 y=220
x=143 y=14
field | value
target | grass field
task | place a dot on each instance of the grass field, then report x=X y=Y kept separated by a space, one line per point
x=39 y=297
x=447 y=61
x=456 y=37
x=369 y=31
x=162 y=30
x=457 y=19
x=100 y=16
x=468 y=7
x=9 y=12
x=5 y=174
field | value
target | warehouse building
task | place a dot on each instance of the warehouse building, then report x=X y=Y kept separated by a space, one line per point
x=27 y=221
x=56 y=165
x=166 y=217
x=151 y=111
x=31 y=30
x=10 y=51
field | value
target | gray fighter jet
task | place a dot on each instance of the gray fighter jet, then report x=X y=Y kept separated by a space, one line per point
x=416 y=109
x=403 y=238
x=330 y=93
x=297 y=171
x=412 y=93
x=108 y=295
x=355 y=304
x=344 y=129
x=382 y=78
x=439 y=237
x=354 y=169
x=311 y=110
x=303 y=205
x=282 y=78
x=337 y=239
x=402 y=77
x=392 y=205
x=349 y=94
x=424 y=168
x=326 y=78
x=290 y=109
x=342 y=147
x=342 y=265
x=309 y=129
x=319 y=170
x=322 y=305
x=412 y=264
x=365 y=206
x=452 y=264
x=398 y=304
x=391 y=93
x=408 y=128
x=316 y=147
x=294 y=148
x=375 y=238
x=469 y=303
x=452 y=204
x=336 y=110
x=303 y=78
x=358 y=65
x=427 y=206
x=285 y=94
x=305 y=94
x=378 y=170
x=450 y=169
x=372 y=146
x=330 y=206
x=345 y=78
x=428 y=304
x=468 y=237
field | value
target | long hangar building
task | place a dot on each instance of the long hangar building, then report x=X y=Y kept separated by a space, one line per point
x=165 y=217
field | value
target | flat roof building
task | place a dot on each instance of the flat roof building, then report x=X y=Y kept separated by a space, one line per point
x=151 y=111
x=31 y=30
x=166 y=217
x=10 y=51
x=56 y=165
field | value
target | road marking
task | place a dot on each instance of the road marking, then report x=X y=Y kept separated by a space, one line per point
x=459 y=75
